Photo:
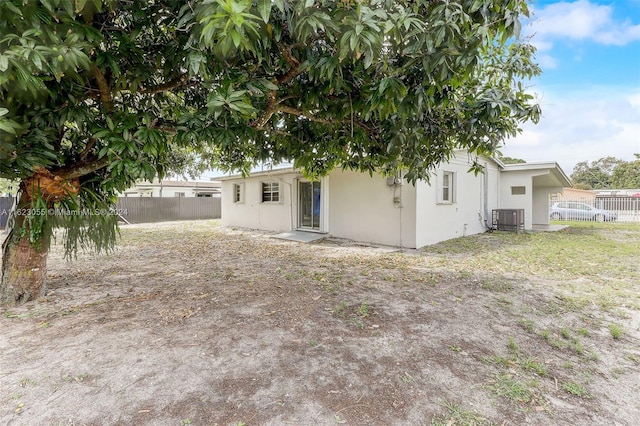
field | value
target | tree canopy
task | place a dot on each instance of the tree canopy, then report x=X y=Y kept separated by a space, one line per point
x=626 y=174
x=607 y=173
x=96 y=94
x=114 y=86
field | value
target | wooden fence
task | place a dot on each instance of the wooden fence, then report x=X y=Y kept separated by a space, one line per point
x=147 y=209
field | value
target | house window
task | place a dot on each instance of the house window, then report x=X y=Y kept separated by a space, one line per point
x=518 y=190
x=447 y=188
x=238 y=193
x=270 y=192
x=178 y=194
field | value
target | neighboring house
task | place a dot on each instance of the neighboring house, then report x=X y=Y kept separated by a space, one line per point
x=573 y=194
x=175 y=188
x=390 y=211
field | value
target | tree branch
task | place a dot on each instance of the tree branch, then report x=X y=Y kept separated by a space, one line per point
x=105 y=92
x=170 y=85
x=294 y=64
x=81 y=168
x=87 y=148
x=310 y=117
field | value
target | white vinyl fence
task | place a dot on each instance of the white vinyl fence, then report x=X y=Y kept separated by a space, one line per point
x=619 y=209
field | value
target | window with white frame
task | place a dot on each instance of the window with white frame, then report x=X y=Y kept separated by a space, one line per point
x=447 y=188
x=178 y=194
x=238 y=192
x=270 y=192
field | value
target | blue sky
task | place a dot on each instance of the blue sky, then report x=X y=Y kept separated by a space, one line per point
x=589 y=91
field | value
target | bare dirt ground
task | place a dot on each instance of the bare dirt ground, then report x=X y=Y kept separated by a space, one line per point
x=192 y=323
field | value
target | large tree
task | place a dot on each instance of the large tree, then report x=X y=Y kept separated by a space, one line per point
x=595 y=174
x=96 y=94
x=626 y=175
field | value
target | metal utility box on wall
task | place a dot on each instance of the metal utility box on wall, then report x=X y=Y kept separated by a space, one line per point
x=508 y=220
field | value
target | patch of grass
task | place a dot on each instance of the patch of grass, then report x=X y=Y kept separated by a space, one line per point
x=583 y=332
x=340 y=310
x=512 y=346
x=592 y=356
x=497 y=285
x=576 y=346
x=505 y=386
x=25 y=381
x=576 y=389
x=605 y=274
x=363 y=310
x=617 y=372
x=501 y=360
x=552 y=340
x=616 y=331
x=69 y=378
x=534 y=366
x=633 y=357
x=357 y=322
x=527 y=325
x=505 y=303
x=407 y=378
x=459 y=416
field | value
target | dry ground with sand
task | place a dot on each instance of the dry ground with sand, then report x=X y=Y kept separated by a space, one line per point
x=192 y=323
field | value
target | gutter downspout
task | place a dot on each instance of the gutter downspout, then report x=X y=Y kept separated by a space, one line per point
x=486 y=195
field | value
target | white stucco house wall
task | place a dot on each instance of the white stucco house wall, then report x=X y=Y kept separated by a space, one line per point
x=174 y=188
x=376 y=209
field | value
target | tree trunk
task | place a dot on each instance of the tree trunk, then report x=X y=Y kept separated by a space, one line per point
x=24 y=270
x=24 y=264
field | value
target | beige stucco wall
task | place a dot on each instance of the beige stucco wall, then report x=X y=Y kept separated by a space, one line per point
x=362 y=207
x=466 y=216
x=251 y=212
x=540 y=208
x=524 y=201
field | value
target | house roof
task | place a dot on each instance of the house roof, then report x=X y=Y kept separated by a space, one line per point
x=271 y=172
x=197 y=186
x=551 y=174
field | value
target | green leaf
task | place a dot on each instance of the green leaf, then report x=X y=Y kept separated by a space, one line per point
x=4 y=63
x=264 y=8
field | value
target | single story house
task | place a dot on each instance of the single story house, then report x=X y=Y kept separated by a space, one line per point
x=391 y=211
x=573 y=194
x=174 y=188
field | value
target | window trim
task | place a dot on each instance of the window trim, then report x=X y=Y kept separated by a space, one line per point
x=450 y=188
x=270 y=192
x=238 y=193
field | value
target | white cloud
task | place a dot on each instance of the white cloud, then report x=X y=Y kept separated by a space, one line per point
x=581 y=126
x=580 y=20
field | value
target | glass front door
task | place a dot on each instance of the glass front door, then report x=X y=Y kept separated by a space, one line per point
x=309 y=205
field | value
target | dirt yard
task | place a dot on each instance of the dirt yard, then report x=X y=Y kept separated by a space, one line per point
x=192 y=323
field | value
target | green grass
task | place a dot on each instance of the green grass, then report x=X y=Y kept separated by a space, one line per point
x=506 y=386
x=459 y=416
x=616 y=331
x=591 y=262
x=576 y=389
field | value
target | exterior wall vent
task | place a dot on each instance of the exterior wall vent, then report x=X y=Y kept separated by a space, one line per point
x=508 y=220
